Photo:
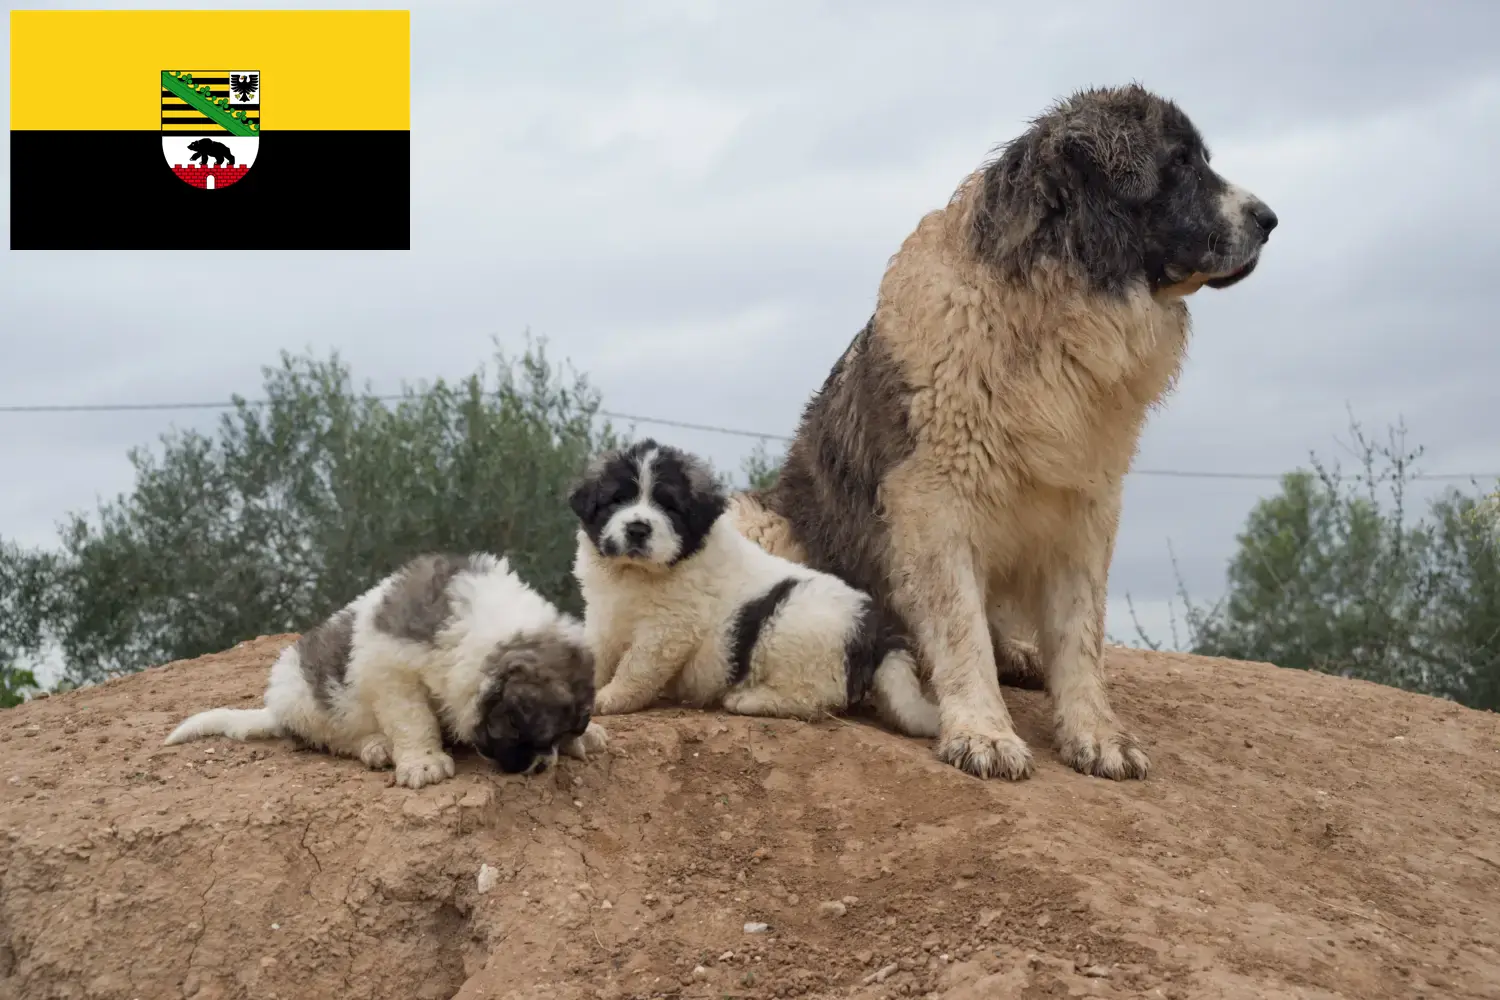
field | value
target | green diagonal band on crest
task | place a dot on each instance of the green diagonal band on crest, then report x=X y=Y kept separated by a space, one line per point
x=204 y=104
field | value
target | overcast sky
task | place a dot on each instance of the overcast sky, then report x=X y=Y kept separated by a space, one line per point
x=694 y=203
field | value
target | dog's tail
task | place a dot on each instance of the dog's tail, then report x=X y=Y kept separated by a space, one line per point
x=235 y=723
x=896 y=692
x=880 y=665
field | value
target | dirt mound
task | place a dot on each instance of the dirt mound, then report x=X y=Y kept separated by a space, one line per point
x=1300 y=836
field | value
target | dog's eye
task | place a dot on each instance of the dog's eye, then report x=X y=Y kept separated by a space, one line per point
x=665 y=500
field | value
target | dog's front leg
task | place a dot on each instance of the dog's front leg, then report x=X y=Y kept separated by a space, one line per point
x=593 y=740
x=939 y=595
x=1089 y=737
x=402 y=709
x=644 y=671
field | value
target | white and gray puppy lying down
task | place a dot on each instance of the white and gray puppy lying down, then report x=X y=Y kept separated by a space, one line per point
x=679 y=603
x=448 y=649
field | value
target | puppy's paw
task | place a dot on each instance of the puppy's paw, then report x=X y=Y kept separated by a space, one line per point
x=1106 y=753
x=428 y=769
x=760 y=701
x=593 y=740
x=920 y=719
x=375 y=753
x=1018 y=664
x=993 y=754
x=611 y=700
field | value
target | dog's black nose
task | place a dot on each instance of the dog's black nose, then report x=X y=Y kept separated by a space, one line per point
x=636 y=532
x=1264 y=218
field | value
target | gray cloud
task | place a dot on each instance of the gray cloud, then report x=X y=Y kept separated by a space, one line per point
x=694 y=203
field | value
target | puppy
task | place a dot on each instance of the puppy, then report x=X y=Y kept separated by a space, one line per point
x=454 y=649
x=679 y=603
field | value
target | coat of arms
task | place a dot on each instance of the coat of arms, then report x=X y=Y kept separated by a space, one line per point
x=210 y=124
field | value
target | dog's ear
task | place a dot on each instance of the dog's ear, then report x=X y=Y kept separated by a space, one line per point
x=703 y=510
x=1112 y=146
x=583 y=673
x=584 y=499
x=706 y=500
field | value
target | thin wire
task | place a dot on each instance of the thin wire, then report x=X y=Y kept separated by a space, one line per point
x=228 y=405
x=661 y=421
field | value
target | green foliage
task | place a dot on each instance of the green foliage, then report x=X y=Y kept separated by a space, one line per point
x=292 y=508
x=760 y=468
x=26 y=599
x=1334 y=574
x=15 y=685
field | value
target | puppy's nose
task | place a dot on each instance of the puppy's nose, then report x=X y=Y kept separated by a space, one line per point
x=1264 y=218
x=636 y=532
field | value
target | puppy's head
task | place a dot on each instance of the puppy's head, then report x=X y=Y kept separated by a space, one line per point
x=650 y=505
x=1116 y=183
x=538 y=692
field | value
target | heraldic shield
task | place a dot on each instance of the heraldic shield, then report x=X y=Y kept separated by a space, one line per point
x=210 y=124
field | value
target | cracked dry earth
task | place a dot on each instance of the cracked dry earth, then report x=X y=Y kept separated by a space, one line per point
x=1301 y=836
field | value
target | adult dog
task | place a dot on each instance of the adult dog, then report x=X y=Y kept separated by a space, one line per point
x=448 y=649
x=965 y=458
x=679 y=603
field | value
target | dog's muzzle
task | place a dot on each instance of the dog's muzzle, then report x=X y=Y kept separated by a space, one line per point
x=637 y=538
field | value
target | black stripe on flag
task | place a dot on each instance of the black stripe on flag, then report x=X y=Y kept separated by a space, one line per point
x=98 y=190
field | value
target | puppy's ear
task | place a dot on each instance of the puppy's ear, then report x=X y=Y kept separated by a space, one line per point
x=584 y=500
x=1112 y=146
x=707 y=500
x=584 y=682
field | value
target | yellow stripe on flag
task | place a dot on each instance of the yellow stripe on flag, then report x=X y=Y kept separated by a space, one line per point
x=320 y=69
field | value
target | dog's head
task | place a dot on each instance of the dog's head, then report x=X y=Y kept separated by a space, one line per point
x=649 y=504
x=538 y=692
x=1116 y=184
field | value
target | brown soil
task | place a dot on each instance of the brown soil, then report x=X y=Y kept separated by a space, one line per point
x=1301 y=836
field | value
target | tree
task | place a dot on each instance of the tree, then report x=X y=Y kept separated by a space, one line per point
x=760 y=468
x=15 y=685
x=26 y=596
x=292 y=508
x=1333 y=573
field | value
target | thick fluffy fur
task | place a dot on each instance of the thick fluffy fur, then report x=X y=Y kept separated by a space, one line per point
x=447 y=649
x=963 y=462
x=680 y=604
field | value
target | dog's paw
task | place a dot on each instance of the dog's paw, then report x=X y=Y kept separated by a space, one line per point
x=1000 y=754
x=610 y=700
x=1106 y=754
x=593 y=740
x=375 y=753
x=427 y=769
x=1018 y=664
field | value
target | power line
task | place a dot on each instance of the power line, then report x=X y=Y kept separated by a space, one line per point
x=664 y=422
x=228 y=405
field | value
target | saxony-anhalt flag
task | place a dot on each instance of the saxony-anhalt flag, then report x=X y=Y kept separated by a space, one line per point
x=232 y=129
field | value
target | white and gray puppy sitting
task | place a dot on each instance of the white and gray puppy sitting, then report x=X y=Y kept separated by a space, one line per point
x=679 y=603
x=448 y=649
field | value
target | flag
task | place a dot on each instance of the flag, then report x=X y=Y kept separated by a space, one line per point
x=223 y=129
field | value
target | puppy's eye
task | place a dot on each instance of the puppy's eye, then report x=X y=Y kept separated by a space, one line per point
x=665 y=500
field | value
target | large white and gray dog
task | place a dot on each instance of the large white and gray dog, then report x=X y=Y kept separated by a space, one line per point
x=446 y=649
x=678 y=603
x=964 y=462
